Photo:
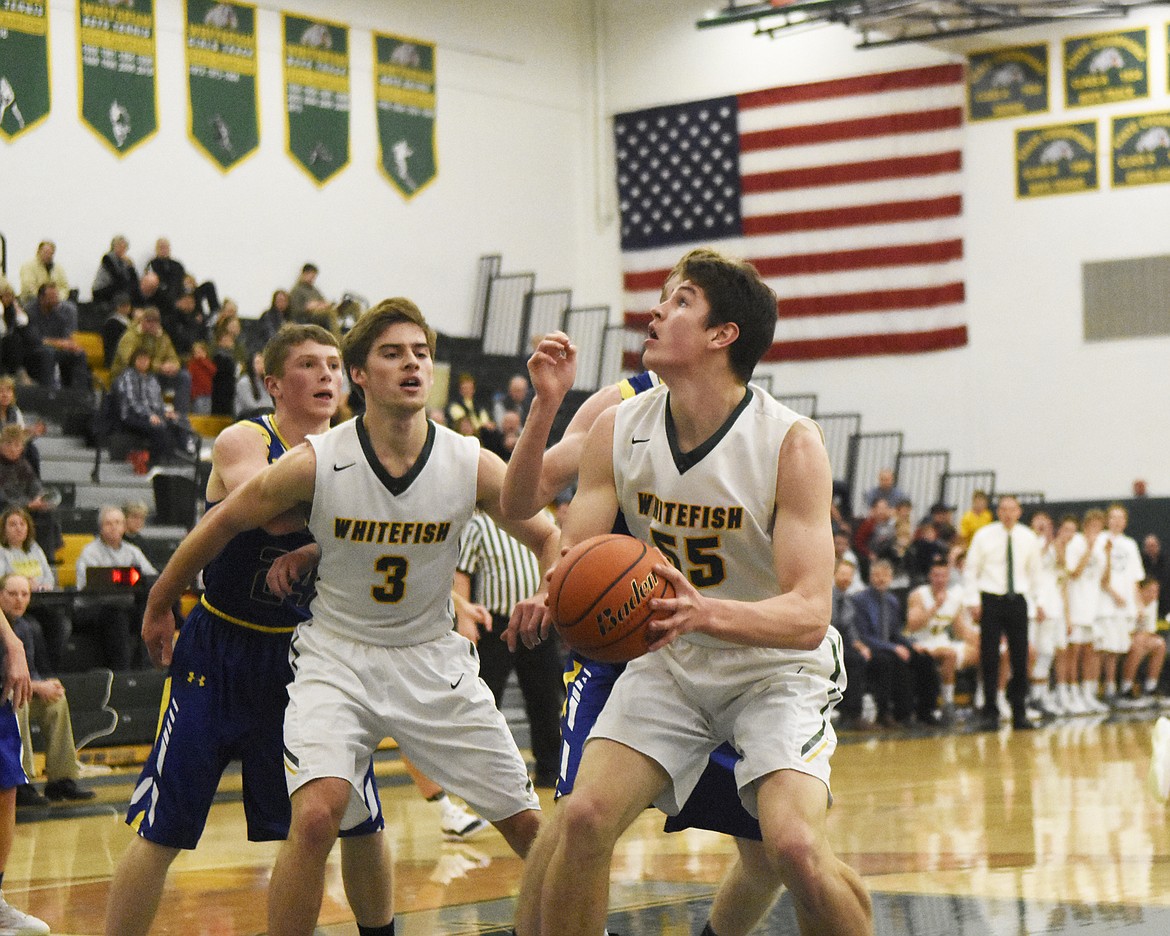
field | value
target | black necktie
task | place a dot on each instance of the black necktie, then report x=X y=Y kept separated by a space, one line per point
x=883 y=620
x=1011 y=572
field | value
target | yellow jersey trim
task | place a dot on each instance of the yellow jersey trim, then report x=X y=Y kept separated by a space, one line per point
x=248 y=624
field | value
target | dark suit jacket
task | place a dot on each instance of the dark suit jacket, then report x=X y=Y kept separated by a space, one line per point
x=867 y=605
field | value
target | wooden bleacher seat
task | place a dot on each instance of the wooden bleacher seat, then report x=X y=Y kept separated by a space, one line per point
x=71 y=547
x=95 y=354
x=210 y=425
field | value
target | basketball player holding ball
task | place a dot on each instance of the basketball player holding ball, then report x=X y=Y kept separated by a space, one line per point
x=736 y=488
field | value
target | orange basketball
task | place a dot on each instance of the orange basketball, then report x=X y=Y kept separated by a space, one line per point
x=600 y=596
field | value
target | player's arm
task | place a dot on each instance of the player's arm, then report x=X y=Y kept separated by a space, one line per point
x=535 y=476
x=281 y=487
x=241 y=453
x=802 y=553
x=17 y=682
x=917 y=615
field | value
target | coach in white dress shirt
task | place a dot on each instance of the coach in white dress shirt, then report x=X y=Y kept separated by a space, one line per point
x=1002 y=581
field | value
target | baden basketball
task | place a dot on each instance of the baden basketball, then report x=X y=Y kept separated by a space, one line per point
x=600 y=595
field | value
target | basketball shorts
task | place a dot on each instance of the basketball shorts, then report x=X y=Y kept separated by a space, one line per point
x=11 y=772
x=713 y=805
x=1114 y=633
x=678 y=704
x=1049 y=636
x=937 y=641
x=225 y=701
x=1082 y=634
x=347 y=696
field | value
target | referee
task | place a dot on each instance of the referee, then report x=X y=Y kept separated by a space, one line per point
x=1003 y=567
x=505 y=572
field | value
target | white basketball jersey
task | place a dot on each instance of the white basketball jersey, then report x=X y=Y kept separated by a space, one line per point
x=389 y=545
x=942 y=615
x=710 y=511
x=1084 y=591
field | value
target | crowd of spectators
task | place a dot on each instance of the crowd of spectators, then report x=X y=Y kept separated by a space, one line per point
x=909 y=609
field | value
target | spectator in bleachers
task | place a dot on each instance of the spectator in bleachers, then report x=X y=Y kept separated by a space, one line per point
x=252 y=396
x=202 y=370
x=942 y=518
x=10 y=414
x=516 y=399
x=170 y=273
x=886 y=488
x=15 y=340
x=116 y=274
x=206 y=296
x=978 y=515
x=855 y=653
x=903 y=677
x=896 y=551
x=226 y=354
x=187 y=323
x=117 y=620
x=843 y=553
x=307 y=304
x=54 y=358
x=135 y=512
x=938 y=624
x=465 y=406
x=925 y=550
x=872 y=532
x=41 y=269
x=20 y=553
x=841 y=507
x=147 y=334
x=20 y=487
x=141 y=411
x=1157 y=566
x=48 y=706
x=271 y=320
x=115 y=326
x=229 y=309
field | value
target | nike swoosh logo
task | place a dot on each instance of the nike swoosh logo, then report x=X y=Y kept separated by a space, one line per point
x=343 y=467
x=455 y=685
x=638 y=441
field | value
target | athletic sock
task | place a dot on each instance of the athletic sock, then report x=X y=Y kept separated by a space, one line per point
x=1151 y=686
x=948 y=693
x=387 y=930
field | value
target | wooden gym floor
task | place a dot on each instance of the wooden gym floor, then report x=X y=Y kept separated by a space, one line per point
x=962 y=834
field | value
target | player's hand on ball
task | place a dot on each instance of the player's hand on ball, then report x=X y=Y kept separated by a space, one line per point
x=529 y=623
x=683 y=613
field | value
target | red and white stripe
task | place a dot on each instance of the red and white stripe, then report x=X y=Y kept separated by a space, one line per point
x=852 y=210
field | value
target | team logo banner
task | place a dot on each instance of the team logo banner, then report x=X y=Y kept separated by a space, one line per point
x=1141 y=149
x=118 y=94
x=1007 y=82
x=24 y=65
x=1056 y=160
x=1106 y=67
x=223 y=112
x=404 y=89
x=316 y=85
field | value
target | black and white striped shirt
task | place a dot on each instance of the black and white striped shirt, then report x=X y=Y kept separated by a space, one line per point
x=504 y=570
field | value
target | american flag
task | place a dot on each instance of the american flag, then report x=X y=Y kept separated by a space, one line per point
x=845 y=194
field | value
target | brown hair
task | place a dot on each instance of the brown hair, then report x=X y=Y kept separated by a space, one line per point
x=30 y=538
x=288 y=337
x=356 y=345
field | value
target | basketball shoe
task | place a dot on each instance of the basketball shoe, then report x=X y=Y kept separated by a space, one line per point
x=15 y=923
x=459 y=824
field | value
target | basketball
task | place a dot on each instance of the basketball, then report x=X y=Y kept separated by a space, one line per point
x=600 y=595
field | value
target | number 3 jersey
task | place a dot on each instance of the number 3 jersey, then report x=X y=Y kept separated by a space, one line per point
x=234 y=581
x=389 y=546
x=710 y=511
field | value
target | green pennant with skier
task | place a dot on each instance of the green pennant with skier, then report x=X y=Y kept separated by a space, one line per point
x=404 y=95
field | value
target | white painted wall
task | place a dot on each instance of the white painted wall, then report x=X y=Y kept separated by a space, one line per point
x=511 y=132
x=1027 y=397
x=525 y=169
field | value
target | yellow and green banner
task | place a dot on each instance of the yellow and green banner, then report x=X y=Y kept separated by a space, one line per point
x=404 y=95
x=316 y=86
x=1106 y=67
x=1141 y=149
x=223 y=110
x=1056 y=160
x=119 y=100
x=24 y=65
x=1007 y=82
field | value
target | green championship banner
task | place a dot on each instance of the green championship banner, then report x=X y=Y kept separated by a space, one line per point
x=223 y=110
x=24 y=65
x=1141 y=149
x=404 y=92
x=1007 y=82
x=1056 y=160
x=118 y=96
x=316 y=86
x=1106 y=67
